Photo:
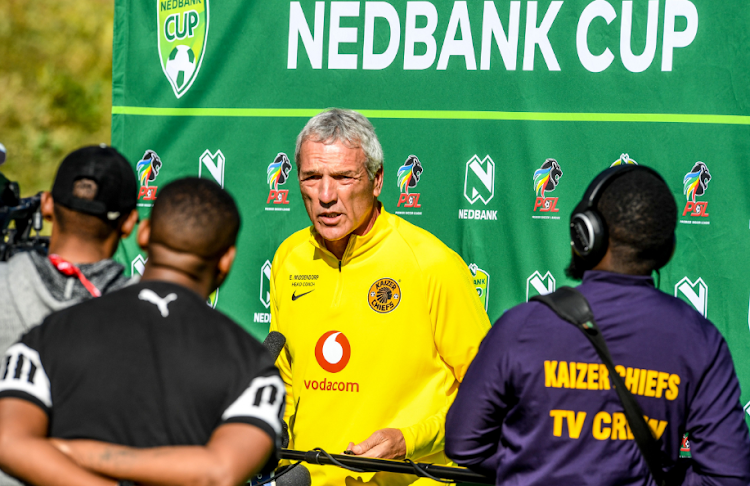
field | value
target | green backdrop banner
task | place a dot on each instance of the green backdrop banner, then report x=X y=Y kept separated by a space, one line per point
x=493 y=117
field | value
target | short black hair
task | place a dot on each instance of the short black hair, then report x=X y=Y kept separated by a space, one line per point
x=195 y=216
x=641 y=216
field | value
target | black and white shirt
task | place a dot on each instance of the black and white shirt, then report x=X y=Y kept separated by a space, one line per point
x=149 y=365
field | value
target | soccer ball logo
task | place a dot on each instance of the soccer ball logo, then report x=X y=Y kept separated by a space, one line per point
x=180 y=66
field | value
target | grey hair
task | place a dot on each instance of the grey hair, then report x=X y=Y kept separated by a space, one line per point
x=345 y=126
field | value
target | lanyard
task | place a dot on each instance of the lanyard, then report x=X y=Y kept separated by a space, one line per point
x=67 y=268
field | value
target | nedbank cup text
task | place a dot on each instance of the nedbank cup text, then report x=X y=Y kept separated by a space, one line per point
x=347 y=24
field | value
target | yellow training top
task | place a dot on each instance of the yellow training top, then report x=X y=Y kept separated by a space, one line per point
x=379 y=339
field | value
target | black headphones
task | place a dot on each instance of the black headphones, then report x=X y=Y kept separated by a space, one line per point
x=589 y=236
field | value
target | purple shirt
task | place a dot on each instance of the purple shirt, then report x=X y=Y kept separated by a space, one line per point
x=536 y=405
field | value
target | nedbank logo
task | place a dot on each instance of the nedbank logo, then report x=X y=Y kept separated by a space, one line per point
x=182 y=32
x=694 y=293
x=537 y=284
x=265 y=284
x=214 y=163
x=481 y=283
x=479 y=182
x=138 y=265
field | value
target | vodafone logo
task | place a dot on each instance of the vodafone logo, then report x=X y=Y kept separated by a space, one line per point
x=333 y=351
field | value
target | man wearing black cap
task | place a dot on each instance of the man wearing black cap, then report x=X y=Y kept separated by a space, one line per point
x=91 y=206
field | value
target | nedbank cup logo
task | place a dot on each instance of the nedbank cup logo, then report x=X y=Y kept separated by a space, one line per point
x=213 y=299
x=182 y=33
x=481 y=283
x=624 y=160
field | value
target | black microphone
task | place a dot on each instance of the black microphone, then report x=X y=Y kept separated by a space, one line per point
x=298 y=475
x=294 y=475
x=274 y=343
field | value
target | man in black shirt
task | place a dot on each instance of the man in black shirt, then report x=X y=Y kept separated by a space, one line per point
x=149 y=367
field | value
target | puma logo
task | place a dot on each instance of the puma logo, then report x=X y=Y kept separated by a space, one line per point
x=150 y=296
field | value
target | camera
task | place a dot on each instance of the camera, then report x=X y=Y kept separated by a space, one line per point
x=26 y=215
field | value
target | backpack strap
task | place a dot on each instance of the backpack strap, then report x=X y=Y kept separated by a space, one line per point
x=570 y=305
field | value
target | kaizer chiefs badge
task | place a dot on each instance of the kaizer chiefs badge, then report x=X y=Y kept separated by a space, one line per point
x=384 y=295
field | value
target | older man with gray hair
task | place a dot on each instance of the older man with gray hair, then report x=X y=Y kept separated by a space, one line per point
x=381 y=318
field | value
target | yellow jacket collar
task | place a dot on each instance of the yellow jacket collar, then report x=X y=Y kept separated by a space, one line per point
x=358 y=246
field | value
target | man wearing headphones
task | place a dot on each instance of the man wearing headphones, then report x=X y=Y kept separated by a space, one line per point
x=537 y=406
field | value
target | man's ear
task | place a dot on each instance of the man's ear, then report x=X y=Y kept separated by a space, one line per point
x=127 y=226
x=225 y=264
x=144 y=234
x=47 y=206
x=378 y=182
x=226 y=261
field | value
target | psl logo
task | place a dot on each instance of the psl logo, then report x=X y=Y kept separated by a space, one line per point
x=537 y=284
x=481 y=283
x=694 y=293
x=277 y=174
x=695 y=184
x=624 y=160
x=148 y=168
x=332 y=351
x=265 y=284
x=214 y=163
x=546 y=179
x=182 y=32
x=479 y=182
x=408 y=177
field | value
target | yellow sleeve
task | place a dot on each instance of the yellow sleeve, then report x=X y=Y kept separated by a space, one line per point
x=284 y=361
x=426 y=437
x=459 y=324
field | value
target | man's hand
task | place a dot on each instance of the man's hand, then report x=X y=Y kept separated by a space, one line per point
x=382 y=444
x=26 y=453
x=235 y=452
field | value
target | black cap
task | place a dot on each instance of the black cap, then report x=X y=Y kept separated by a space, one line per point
x=116 y=184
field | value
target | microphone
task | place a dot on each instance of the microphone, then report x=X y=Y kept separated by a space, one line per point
x=274 y=343
x=298 y=475
x=294 y=475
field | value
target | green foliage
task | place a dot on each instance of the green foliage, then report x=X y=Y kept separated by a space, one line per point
x=55 y=84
